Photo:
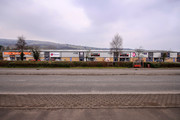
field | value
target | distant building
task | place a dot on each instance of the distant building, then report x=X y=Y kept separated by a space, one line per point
x=94 y=55
x=178 y=57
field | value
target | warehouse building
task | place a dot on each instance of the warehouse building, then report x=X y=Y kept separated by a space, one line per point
x=94 y=55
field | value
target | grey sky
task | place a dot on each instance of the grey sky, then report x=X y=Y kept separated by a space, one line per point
x=152 y=24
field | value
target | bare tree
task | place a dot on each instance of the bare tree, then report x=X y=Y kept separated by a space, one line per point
x=8 y=48
x=164 y=55
x=88 y=54
x=21 y=45
x=1 y=55
x=36 y=54
x=116 y=46
x=1 y=52
x=1 y=48
x=139 y=51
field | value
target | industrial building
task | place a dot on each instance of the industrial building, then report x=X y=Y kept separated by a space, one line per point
x=93 y=55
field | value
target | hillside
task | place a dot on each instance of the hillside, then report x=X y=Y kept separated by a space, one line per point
x=43 y=44
x=49 y=45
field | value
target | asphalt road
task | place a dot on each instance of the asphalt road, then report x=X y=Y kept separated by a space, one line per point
x=70 y=71
x=55 y=84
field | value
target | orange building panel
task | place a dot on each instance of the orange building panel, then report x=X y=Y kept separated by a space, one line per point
x=16 y=53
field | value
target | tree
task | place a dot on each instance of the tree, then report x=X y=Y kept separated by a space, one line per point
x=139 y=51
x=1 y=53
x=88 y=54
x=21 y=45
x=116 y=46
x=1 y=48
x=22 y=56
x=36 y=53
x=8 y=48
x=164 y=55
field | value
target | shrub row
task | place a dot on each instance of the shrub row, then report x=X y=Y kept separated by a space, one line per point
x=82 y=64
x=161 y=64
x=63 y=64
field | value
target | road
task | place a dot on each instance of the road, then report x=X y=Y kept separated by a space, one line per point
x=70 y=71
x=78 y=94
x=56 y=84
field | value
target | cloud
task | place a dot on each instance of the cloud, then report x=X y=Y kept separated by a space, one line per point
x=66 y=15
x=44 y=18
x=153 y=24
x=140 y=23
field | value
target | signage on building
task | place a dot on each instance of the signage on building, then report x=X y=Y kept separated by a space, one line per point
x=125 y=55
x=134 y=54
x=16 y=53
x=95 y=54
x=107 y=59
x=54 y=54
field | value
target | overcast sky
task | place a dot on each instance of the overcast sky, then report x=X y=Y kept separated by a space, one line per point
x=152 y=24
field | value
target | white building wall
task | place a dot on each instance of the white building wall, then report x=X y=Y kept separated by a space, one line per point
x=41 y=54
x=105 y=54
x=70 y=54
x=157 y=55
x=173 y=55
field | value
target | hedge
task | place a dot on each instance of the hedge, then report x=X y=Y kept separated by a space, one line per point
x=161 y=64
x=46 y=64
x=63 y=64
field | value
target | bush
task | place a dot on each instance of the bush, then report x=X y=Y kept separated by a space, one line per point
x=161 y=65
x=154 y=64
x=76 y=64
x=46 y=64
x=169 y=64
x=123 y=64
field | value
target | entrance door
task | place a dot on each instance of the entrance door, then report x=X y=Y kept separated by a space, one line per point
x=81 y=56
x=12 y=57
x=173 y=59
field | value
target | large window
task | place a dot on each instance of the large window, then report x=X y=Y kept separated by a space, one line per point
x=12 y=57
x=46 y=54
x=125 y=59
x=55 y=58
x=149 y=59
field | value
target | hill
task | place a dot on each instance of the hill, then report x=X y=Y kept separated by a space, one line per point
x=44 y=44
x=49 y=45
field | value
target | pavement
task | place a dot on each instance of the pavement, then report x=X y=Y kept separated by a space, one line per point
x=90 y=107
x=92 y=114
x=89 y=101
x=73 y=71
